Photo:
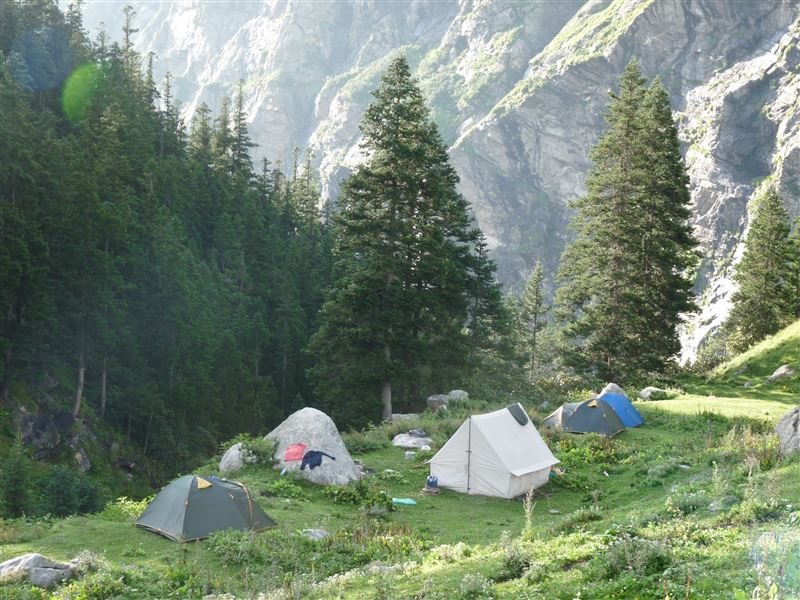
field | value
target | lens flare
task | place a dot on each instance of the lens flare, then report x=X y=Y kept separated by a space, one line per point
x=79 y=90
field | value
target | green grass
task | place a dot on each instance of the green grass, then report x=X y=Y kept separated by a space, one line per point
x=629 y=518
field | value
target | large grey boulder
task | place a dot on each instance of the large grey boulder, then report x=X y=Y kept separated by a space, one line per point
x=233 y=459
x=459 y=395
x=397 y=417
x=317 y=431
x=405 y=440
x=82 y=460
x=37 y=569
x=650 y=391
x=613 y=388
x=780 y=373
x=788 y=431
x=437 y=401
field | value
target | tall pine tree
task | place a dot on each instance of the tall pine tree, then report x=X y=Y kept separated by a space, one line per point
x=408 y=276
x=764 y=301
x=623 y=280
x=794 y=271
x=533 y=311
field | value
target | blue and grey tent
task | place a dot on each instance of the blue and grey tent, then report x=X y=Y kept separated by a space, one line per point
x=626 y=412
x=590 y=416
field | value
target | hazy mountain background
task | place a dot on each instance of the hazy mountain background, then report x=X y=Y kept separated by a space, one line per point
x=518 y=90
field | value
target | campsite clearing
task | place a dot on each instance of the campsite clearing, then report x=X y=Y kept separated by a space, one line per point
x=631 y=517
x=642 y=474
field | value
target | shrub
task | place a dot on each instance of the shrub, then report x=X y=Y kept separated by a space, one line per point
x=15 y=531
x=14 y=483
x=282 y=552
x=580 y=516
x=258 y=451
x=475 y=586
x=124 y=510
x=366 y=440
x=61 y=492
x=392 y=476
x=640 y=556
x=67 y=492
x=360 y=493
x=284 y=488
x=516 y=558
x=685 y=504
x=91 y=496
x=754 y=510
x=659 y=472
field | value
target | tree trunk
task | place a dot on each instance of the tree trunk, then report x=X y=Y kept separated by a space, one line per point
x=532 y=375
x=103 y=390
x=386 y=393
x=284 y=367
x=147 y=435
x=5 y=387
x=81 y=377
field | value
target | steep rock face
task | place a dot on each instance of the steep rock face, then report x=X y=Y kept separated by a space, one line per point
x=518 y=90
x=730 y=69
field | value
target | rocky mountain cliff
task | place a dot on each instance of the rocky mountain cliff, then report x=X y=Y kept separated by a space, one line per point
x=518 y=90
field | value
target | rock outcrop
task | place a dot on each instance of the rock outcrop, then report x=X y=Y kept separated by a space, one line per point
x=612 y=388
x=37 y=569
x=652 y=393
x=780 y=373
x=405 y=440
x=233 y=459
x=318 y=432
x=788 y=431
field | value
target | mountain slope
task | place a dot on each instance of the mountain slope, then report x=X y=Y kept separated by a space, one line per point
x=518 y=89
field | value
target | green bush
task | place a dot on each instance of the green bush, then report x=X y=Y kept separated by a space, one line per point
x=15 y=498
x=360 y=493
x=595 y=449
x=640 y=556
x=67 y=492
x=124 y=510
x=15 y=531
x=659 y=472
x=280 y=552
x=475 y=586
x=61 y=492
x=367 y=440
x=685 y=504
x=91 y=496
x=258 y=451
x=516 y=558
x=284 y=488
x=754 y=510
x=581 y=516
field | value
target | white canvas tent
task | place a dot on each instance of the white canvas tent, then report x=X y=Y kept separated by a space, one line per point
x=494 y=455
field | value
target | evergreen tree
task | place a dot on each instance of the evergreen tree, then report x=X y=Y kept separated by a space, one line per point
x=406 y=273
x=15 y=482
x=533 y=317
x=793 y=278
x=764 y=301
x=241 y=142
x=623 y=280
x=175 y=288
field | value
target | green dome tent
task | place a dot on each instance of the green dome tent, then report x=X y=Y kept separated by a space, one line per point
x=193 y=507
x=591 y=416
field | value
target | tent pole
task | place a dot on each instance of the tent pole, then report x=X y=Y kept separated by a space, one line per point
x=469 y=450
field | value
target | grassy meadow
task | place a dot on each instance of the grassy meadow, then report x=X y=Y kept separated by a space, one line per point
x=698 y=503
